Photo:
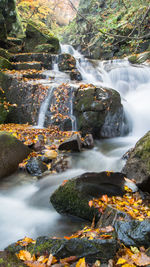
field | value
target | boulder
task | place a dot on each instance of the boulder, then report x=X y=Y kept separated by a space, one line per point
x=72 y=144
x=66 y=62
x=99 y=111
x=36 y=167
x=72 y=197
x=36 y=36
x=92 y=250
x=10 y=23
x=27 y=108
x=130 y=232
x=140 y=58
x=138 y=163
x=12 y=153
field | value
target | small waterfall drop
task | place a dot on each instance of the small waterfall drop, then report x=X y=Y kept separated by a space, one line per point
x=44 y=107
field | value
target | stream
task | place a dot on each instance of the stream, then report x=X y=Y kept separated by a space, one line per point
x=25 y=209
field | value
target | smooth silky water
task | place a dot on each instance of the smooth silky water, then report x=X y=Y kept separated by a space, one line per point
x=25 y=209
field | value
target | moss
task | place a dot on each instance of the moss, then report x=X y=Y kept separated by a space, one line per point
x=142 y=150
x=4 y=63
x=47 y=48
x=67 y=200
x=4 y=53
x=38 y=36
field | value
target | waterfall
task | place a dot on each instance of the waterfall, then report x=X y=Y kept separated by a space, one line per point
x=25 y=209
x=44 y=107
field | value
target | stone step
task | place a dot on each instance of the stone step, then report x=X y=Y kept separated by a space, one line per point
x=45 y=58
x=27 y=65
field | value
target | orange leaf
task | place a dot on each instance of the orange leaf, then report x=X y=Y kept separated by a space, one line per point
x=90 y=203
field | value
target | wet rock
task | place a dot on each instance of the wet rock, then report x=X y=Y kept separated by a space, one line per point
x=27 y=66
x=92 y=250
x=138 y=163
x=12 y=153
x=36 y=167
x=129 y=231
x=66 y=62
x=88 y=141
x=72 y=144
x=72 y=198
x=75 y=75
x=99 y=111
x=134 y=232
x=44 y=58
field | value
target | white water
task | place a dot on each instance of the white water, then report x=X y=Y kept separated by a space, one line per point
x=25 y=208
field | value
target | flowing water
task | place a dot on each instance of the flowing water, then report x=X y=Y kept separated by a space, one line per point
x=25 y=209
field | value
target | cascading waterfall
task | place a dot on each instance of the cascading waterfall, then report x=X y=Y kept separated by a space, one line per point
x=25 y=208
x=44 y=107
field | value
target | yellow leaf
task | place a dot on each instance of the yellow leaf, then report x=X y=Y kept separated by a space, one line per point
x=81 y=263
x=24 y=255
x=121 y=261
x=134 y=250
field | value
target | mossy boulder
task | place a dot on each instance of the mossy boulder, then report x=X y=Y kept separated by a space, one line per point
x=10 y=23
x=138 y=163
x=140 y=58
x=36 y=36
x=12 y=153
x=66 y=62
x=99 y=111
x=5 y=64
x=92 y=250
x=5 y=54
x=72 y=197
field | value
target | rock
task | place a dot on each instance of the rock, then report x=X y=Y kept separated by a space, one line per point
x=72 y=198
x=134 y=232
x=36 y=37
x=27 y=66
x=36 y=167
x=140 y=58
x=5 y=64
x=12 y=153
x=99 y=111
x=9 y=19
x=138 y=163
x=129 y=231
x=88 y=141
x=66 y=62
x=44 y=58
x=75 y=75
x=46 y=48
x=72 y=144
x=92 y=250
x=27 y=108
x=51 y=154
